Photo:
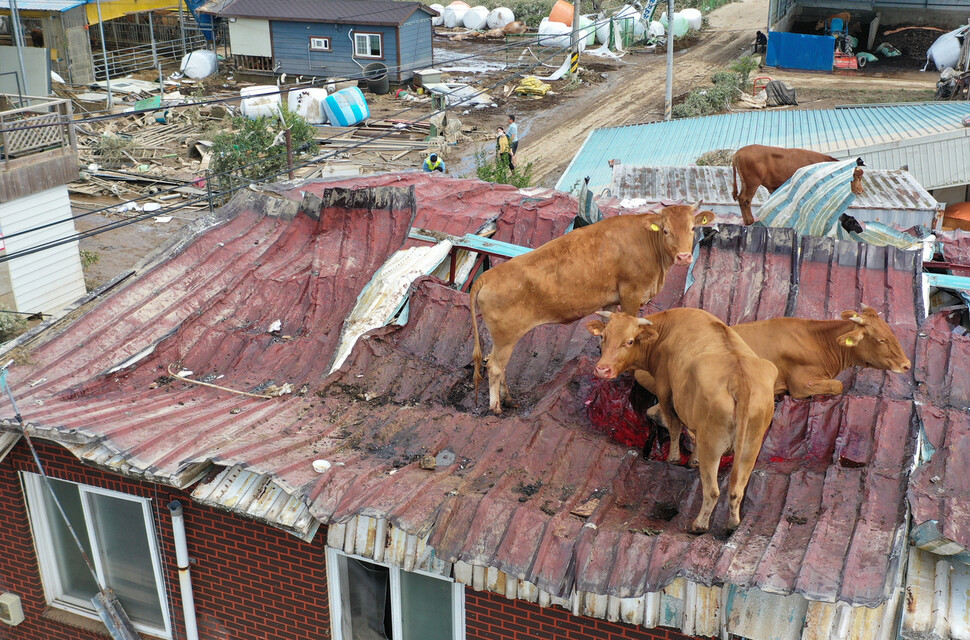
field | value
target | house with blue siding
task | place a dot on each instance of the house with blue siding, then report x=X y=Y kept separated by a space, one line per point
x=329 y=38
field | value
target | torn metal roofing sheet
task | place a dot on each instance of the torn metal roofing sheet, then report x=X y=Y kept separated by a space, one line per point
x=824 y=515
x=890 y=197
x=929 y=138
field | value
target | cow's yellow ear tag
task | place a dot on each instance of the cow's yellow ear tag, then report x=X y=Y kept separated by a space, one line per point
x=704 y=220
x=849 y=342
x=654 y=227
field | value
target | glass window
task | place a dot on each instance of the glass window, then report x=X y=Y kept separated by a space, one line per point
x=375 y=602
x=116 y=531
x=368 y=45
x=320 y=44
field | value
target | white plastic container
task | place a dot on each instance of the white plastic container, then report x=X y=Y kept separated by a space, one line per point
x=199 y=64
x=439 y=19
x=309 y=104
x=259 y=101
x=693 y=17
x=475 y=18
x=499 y=17
x=454 y=14
x=346 y=107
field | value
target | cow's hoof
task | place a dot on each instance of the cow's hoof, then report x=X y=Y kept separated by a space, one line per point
x=697 y=529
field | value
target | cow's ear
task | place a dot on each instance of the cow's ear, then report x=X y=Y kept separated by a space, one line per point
x=853 y=316
x=595 y=327
x=703 y=218
x=852 y=338
x=647 y=334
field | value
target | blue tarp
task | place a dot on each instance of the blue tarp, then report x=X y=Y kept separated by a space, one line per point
x=800 y=51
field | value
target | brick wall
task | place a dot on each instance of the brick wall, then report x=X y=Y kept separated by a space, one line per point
x=493 y=617
x=250 y=581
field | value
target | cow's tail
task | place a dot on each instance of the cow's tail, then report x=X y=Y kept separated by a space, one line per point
x=741 y=391
x=734 y=177
x=477 y=353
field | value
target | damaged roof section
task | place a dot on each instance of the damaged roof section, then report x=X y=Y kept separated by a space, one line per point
x=535 y=493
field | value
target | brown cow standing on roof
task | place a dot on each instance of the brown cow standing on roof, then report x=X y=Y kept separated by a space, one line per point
x=769 y=166
x=706 y=375
x=618 y=261
x=810 y=353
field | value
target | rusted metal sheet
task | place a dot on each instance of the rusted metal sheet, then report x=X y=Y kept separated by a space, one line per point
x=824 y=512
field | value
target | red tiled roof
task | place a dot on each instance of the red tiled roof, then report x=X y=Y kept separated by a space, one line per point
x=824 y=512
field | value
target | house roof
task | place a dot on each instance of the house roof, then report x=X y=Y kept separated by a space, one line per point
x=824 y=514
x=890 y=197
x=889 y=136
x=386 y=12
x=42 y=5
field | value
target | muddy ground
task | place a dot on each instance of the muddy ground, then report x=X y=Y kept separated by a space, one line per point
x=553 y=127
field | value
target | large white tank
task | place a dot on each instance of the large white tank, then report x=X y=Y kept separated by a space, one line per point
x=439 y=19
x=454 y=14
x=476 y=17
x=499 y=17
x=258 y=101
x=309 y=104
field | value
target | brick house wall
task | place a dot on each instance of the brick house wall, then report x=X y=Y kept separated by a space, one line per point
x=250 y=581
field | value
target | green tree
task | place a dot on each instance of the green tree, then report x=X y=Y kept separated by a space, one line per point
x=254 y=150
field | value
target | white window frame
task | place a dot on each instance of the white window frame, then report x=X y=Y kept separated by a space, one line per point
x=369 y=35
x=335 y=589
x=34 y=488
x=320 y=43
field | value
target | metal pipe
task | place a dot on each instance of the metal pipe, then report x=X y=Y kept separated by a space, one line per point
x=17 y=29
x=104 y=50
x=185 y=578
x=669 y=98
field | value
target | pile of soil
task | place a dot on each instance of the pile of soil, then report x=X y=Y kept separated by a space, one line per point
x=912 y=43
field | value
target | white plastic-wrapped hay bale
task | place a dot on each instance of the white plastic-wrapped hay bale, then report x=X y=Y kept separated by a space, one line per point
x=625 y=19
x=439 y=19
x=587 y=31
x=309 y=104
x=554 y=34
x=680 y=26
x=199 y=64
x=499 y=17
x=693 y=17
x=258 y=101
x=475 y=17
x=454 y=14
x=656 y=29
x=602 y=29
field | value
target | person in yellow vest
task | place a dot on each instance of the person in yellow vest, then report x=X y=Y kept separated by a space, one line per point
x=503 y=150
x=434 y=163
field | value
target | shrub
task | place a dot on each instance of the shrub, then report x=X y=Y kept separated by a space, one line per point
x=490 y=170
x=743 y=66
x=11 y=325
x=247 y=153
x=711 y=100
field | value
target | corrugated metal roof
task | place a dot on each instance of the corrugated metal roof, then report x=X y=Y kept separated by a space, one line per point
x=391 y=12
x=42 y=5
x=843 y=133
x=824 y=514
x=890 y=197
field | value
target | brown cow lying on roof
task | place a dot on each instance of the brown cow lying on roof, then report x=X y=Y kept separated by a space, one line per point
x=758 y=165
x=706 y=375
x=618 y=261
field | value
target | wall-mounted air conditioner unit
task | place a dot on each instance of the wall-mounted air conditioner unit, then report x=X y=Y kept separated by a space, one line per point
x=10 y=610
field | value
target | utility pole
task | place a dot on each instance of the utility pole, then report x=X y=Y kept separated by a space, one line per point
x=668 y=103
x=104 y=50
x=574 y=53
x=18 y=39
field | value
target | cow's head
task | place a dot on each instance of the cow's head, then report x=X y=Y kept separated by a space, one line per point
x=675 y=225
x=623 y=340
x=873 y=343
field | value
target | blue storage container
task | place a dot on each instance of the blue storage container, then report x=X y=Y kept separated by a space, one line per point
x=346 y=107
x=800 y=51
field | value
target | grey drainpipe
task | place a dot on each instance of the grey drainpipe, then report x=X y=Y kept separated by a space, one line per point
x=185 y=579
